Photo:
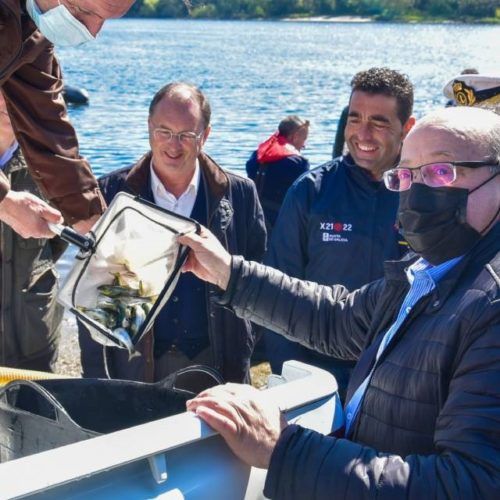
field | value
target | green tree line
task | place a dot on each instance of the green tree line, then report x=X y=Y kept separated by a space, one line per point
x=379 y=9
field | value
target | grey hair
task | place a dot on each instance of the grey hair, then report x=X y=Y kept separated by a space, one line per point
x=476 y=126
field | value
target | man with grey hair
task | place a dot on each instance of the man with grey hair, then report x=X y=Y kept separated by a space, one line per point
x=422 y=406
x=179 y=176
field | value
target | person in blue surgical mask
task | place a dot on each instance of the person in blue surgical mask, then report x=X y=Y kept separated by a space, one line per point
x=30 y=79
x=73 y=22
x=59 y=25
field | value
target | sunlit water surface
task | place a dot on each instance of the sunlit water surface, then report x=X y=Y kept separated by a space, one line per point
x=254 y=73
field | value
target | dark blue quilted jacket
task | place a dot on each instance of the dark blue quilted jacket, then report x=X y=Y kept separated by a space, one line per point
x=429 y=424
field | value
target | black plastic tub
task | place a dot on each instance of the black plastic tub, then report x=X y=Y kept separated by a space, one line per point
x=42 y=415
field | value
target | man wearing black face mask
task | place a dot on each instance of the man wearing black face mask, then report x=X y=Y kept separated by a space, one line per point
x=423 y=401
x=436 y=196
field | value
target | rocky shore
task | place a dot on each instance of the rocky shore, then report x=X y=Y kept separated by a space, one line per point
x=68 y=362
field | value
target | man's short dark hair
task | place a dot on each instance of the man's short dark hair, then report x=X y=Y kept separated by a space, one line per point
x=291 y=124
x=173 y=88
x=387 y=82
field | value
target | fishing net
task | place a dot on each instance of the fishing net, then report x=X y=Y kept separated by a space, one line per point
x=118 y=288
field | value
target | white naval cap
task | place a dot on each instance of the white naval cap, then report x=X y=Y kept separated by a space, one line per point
x=474 y=90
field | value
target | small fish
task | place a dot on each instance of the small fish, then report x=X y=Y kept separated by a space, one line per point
x=147 y=306
x=130 y=301
x=123 y=305
x=115 y=291
x=124 y=316
x=122 y=336
x=101 y=316
x=137 y=318
x=127 y=279
x=105 y=302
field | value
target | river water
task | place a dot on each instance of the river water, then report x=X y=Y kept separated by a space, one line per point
x=254 y=73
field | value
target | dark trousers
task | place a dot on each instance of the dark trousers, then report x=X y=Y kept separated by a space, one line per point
x=171 y=361
x=44 y=363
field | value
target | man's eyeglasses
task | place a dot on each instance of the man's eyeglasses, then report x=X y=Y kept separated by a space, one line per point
x=437 y=174
x=185 y=138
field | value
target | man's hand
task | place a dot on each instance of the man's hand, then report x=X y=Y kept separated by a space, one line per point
x=249 y=424
x=28 y=215
x=84 y=226
x=208 y=259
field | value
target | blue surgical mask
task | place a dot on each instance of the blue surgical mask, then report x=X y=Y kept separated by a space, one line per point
x=59 y=26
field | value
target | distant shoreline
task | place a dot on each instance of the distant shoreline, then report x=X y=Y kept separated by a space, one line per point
x=408 y=20
x=330 y=19
x=342 y=19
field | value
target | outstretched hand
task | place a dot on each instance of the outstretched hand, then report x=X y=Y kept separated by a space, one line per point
x=208 y=259
x=247 y=421
x=28 y=215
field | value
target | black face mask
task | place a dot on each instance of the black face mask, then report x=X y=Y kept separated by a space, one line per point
x=434 y=223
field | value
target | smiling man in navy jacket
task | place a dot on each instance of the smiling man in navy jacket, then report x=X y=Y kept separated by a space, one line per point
x=338 y=222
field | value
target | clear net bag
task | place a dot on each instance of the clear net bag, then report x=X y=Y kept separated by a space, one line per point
x=118 y=288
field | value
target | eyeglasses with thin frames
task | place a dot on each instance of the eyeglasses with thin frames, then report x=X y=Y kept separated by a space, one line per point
x=436 y=174
x=185 y=138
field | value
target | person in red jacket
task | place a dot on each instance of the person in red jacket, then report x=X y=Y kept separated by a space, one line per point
x=277 y=163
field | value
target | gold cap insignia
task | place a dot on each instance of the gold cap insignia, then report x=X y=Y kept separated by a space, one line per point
x=464 y=95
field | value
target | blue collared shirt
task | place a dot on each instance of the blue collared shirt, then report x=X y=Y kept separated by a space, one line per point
x=8 y=154
x=422 y=277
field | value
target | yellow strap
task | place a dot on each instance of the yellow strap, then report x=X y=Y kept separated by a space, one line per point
x=9 y=374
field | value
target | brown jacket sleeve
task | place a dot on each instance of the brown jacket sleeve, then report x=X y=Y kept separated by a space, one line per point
x=38 y=113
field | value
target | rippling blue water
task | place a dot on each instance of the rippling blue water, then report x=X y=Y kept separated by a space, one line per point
x=254 y=73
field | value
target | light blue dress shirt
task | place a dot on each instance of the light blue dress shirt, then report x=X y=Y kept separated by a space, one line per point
x=422 y=277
